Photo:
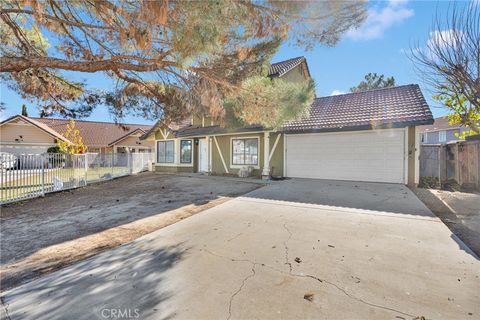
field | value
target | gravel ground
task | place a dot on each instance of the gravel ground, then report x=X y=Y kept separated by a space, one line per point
x=45 y=234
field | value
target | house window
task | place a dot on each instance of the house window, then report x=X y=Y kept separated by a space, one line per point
x=186 y=151
x=442 y=136
x=245 y=151
x=165 y=151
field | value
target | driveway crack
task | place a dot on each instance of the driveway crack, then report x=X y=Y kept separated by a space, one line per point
x=345 y=292
x=239 y=289
x=285 y=244
x=5 y=307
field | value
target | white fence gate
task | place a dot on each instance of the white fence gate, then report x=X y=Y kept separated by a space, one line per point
x=30 y=176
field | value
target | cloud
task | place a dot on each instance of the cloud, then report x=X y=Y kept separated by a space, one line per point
x=336 y=92
x=381 y=19
x=445 y=38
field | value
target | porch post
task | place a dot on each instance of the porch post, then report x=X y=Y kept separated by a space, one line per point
x=266 y=156
x=209 y=151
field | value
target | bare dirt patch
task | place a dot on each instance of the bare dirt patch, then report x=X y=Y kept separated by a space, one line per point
x=459 y=211
x=46 y=234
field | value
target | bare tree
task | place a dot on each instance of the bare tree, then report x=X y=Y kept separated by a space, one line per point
x=450 y=64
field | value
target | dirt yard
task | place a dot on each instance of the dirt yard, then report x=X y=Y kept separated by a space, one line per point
x=460 y=211
x=46 y=234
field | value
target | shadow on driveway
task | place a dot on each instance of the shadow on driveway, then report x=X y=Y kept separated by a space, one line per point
x=128 y=280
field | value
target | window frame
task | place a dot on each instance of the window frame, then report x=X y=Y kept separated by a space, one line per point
x=191 y=151
x=442 y=136
x=165 y=151
x=237 y=166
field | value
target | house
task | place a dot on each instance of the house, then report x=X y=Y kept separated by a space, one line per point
x=27 y=135
x=364 y=136
x=440 y=132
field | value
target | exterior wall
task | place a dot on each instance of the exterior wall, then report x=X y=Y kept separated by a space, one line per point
x=224 y=143
x=225 y=148
x=413 y=156
x=135 y=142
x=30 y=134
x=176 y=166
x=33 y=141
x=202 y=121
x=294 y=75
x=276 y=161
x=432 y=137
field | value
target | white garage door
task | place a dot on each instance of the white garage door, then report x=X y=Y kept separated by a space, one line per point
x=373 y=155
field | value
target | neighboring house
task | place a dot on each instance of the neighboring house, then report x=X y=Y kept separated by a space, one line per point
x=440 y=132
x=27 y=135
x=364 y=136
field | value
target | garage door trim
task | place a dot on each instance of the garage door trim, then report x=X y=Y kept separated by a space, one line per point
x=404 y=131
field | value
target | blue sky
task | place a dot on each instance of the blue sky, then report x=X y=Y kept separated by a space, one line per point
x=379 y=45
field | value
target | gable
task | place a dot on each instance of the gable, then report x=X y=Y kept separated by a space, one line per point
x=20 y=131
x=296 y=74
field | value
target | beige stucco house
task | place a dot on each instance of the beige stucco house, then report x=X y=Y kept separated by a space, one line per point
x=27 y=135
x=365 y=136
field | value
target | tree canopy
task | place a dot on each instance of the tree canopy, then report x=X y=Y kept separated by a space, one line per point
x=374 y=81
x=166 y=58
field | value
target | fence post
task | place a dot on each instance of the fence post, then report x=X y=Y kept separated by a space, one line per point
x=43 y=175
x=85 y=167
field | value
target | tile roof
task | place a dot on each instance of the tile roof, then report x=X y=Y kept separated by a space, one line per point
x=388 y=107
x=99 y=134
x=194 y=131
x=441 y=123
x=278 y=69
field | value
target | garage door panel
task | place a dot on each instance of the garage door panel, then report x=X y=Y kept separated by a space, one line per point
x=359 y=156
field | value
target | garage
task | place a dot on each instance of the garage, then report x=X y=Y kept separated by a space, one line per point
x=368 y=155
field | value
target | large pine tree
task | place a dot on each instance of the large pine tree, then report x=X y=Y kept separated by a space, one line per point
x=167 y=58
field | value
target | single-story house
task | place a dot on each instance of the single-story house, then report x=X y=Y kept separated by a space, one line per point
x=28 y=135
x=440 y=132
x=364 y=136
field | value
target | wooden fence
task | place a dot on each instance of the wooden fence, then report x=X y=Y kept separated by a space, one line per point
x=459 y=161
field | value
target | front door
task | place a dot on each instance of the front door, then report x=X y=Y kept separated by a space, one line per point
x=202 y=155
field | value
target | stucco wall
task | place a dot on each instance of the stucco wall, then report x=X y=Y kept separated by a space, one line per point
x=294 y=75
x=30 y=134
x=135 y=142
x=224 y=143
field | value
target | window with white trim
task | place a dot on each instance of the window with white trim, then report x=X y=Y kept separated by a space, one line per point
x=442 y=136
x=185 y=151
x=245 y=151
x=165 y=151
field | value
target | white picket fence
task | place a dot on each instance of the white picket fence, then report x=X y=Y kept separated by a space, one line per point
x=34 y=175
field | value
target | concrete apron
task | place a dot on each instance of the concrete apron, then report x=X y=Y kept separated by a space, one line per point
x=259 y=258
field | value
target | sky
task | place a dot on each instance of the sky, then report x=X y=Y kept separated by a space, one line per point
x=380 y=45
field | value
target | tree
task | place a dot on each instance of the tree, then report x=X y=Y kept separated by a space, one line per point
x=24 y=111
x=166 y=59
x=450 y=65
x=374 y=81
x=75 y=146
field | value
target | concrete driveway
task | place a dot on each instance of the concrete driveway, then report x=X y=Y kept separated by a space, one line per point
x=296 y=249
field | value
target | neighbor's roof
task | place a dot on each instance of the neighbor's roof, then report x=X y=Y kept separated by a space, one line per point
x=278 y=69
x=37 y=124
x=381 y=108
x=441 y=123
x=95 y=133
